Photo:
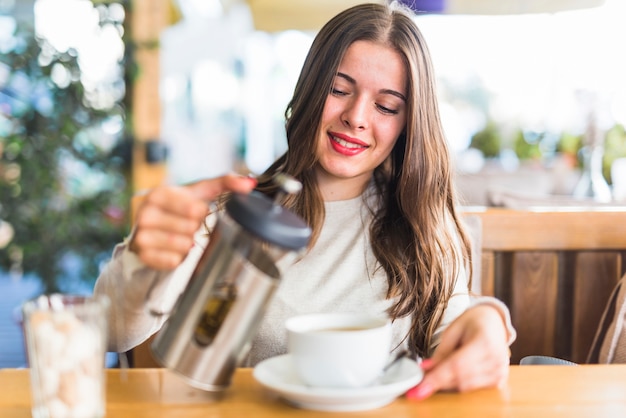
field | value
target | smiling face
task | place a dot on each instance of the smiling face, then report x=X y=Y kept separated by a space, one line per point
x=363 y=116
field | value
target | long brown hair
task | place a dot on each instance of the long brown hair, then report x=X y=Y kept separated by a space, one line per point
x=416 y=234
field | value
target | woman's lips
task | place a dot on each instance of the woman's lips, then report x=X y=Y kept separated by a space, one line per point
x=346 y=145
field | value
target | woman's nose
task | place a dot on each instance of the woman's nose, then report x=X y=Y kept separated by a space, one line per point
x=355 y=114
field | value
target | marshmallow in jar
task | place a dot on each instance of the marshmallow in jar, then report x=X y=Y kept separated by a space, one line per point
x=66 y=341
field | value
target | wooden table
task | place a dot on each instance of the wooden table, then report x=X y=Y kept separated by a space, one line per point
x=596 y=391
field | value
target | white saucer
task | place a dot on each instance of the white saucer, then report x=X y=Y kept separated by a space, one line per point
x=278 y=375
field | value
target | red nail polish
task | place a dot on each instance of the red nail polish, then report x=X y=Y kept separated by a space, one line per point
x=419 y=392
x=426 y=363
x=411 y=393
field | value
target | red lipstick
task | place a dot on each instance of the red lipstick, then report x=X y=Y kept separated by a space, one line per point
x=346 y=145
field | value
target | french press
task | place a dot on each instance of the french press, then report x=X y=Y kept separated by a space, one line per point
x=215 y=318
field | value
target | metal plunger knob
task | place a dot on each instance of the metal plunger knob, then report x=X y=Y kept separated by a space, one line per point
x=287 y=185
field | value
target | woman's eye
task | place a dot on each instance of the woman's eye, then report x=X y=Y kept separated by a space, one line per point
x=337 y=92
x=386 y=110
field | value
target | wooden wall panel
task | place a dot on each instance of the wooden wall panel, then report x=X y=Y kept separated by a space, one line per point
x=487 y=278
x=596 y=275
x=534 y=296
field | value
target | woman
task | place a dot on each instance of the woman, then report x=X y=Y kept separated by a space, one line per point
x=367 y=144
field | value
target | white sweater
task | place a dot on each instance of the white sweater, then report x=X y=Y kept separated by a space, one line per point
x=338 y=275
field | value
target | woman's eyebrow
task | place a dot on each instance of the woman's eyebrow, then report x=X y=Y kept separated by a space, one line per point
x=346 y=77
x=384 y=91
x=394 y=93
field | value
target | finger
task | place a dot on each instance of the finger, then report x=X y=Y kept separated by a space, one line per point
x=491 y=374
x=441 y=376
x=156 y=218
x=212 y=188
x=161 y=259
x=470 y=367
x=162 y=240
x=177 y=201
x=450 y=340
x=436 y=377
x=452 y=365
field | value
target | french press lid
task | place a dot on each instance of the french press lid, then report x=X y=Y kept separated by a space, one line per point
x=269 y=220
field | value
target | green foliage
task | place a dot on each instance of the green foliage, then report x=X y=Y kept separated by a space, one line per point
x=570 y=144
x=62 y=189
x=614 y=148
x=487 y=140
x=527 y=146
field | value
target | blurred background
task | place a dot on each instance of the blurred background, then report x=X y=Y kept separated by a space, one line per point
x=100 y=100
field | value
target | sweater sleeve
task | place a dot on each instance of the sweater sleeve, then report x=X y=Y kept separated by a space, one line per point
x=461 y=301
x=503 y=310
x=135 y=290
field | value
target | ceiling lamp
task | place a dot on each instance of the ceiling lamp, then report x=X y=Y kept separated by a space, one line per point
x=279 y=15
x=499 y=7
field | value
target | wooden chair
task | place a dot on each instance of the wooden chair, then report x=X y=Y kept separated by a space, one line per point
x=555 y=270
x=141 y=356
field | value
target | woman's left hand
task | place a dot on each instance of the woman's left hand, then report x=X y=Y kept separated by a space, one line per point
x=473 y=354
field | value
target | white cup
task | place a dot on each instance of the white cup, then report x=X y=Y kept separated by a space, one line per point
x=343 y=350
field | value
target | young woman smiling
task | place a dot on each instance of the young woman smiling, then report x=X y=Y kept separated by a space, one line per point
x=365 y=140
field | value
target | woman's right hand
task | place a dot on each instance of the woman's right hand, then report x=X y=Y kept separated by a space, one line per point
x=169 y=216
